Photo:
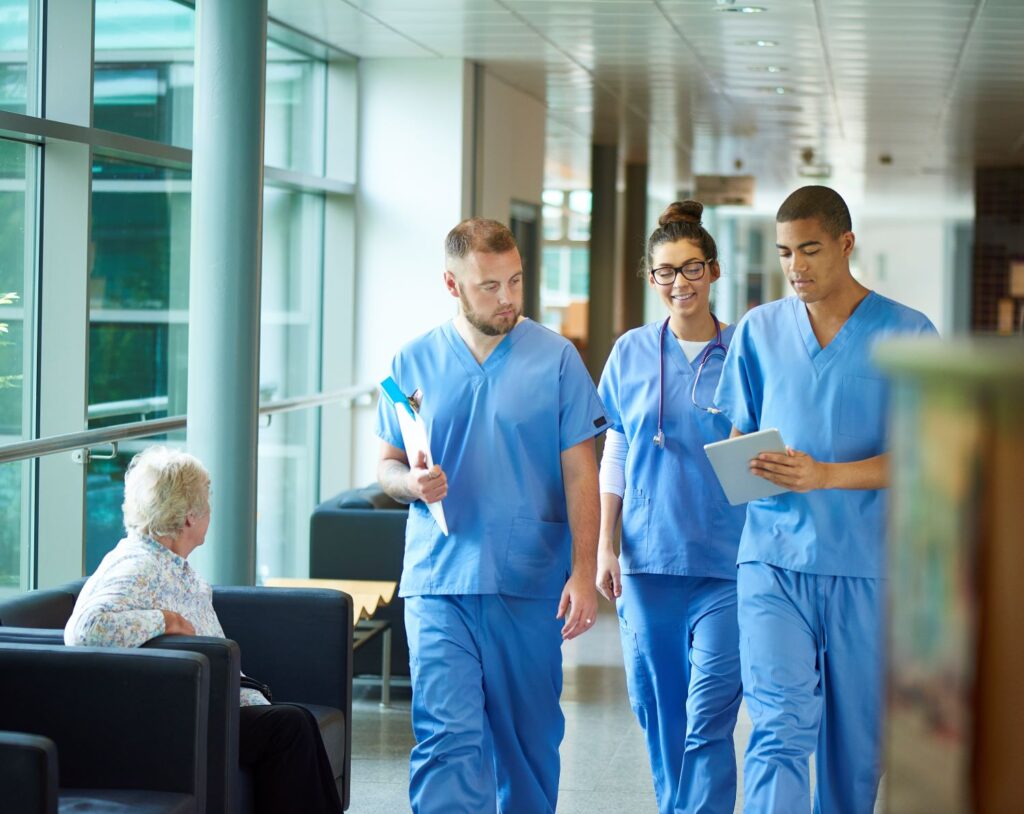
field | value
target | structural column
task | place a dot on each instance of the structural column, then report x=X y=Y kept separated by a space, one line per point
x=603 y=257
x=224 y=285
x=63 y=383
x=629 y=305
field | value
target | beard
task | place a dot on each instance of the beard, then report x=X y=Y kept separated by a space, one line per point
x=494 y=326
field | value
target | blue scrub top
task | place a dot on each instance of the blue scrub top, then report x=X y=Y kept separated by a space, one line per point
x=498 y=431
x=675 y=517
x=831 y=403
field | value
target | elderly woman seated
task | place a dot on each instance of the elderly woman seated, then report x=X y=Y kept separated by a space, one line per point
x=145 y=588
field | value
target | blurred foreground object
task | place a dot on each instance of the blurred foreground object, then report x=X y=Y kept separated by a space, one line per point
x=955 y=728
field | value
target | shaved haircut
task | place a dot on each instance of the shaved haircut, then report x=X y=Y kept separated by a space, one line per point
x=823 y=204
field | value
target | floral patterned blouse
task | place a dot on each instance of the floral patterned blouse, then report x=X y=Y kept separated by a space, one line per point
x=121 y=604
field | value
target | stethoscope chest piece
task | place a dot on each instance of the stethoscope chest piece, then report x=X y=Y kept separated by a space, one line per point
x=659 y=439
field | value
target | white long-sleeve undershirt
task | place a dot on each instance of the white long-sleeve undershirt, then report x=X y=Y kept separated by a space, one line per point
x=612 y=476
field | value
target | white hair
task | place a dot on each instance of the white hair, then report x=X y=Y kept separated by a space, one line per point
x=161 y=488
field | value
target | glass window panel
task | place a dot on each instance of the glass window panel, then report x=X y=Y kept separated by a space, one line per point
x=553 y=197
x=552 y=264
x=17 y=60
x=552 y=223
x=580 y=201
x=295 y=107
x=289 y=366
x=144 y=82
x=579 y=275
x=144 y=69
x=579 y=226
x=17 y=353
x=138 y=319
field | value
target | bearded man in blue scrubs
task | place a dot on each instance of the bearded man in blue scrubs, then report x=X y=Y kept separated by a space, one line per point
x=810 y=585
x=511 y=413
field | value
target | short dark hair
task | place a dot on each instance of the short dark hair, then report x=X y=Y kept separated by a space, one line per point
x=680 y=221
x=478 y=235
x=821 y=203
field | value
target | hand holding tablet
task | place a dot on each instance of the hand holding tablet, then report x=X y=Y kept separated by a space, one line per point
x=731 y=461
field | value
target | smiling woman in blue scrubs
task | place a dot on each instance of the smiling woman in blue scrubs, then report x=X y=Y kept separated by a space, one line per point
x=675 y=586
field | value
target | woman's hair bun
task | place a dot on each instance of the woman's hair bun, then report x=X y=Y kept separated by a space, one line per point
x=681 y=212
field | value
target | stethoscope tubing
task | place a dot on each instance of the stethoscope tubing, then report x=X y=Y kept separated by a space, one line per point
x=659 y=438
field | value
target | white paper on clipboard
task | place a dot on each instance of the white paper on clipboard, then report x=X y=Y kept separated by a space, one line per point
x=414 y=437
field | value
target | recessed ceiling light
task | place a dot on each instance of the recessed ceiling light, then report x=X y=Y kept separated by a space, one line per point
x=821 y=170
x=779 y=90
x=760 y=43
x=767 y=68
x=742 y=9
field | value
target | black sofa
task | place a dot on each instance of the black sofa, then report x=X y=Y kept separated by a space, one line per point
x=360 y=534
x=93 y=729
x=298 y=641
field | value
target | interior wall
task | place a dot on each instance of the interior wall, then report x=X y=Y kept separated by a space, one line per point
x=510 y=150
x=415 y=157
x=479 y=145
x=908 y=261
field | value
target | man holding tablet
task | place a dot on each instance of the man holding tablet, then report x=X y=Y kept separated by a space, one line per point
x=812 y=560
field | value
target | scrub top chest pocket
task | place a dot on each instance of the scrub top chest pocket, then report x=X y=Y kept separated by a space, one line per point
x=862 y=406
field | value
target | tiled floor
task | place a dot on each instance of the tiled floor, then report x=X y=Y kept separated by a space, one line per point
x=604 y=761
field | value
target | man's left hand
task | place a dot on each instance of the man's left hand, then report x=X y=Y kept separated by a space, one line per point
x=793 y=470
x=578 y=605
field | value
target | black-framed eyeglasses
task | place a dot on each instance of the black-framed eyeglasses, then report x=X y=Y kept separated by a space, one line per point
x=666 y=275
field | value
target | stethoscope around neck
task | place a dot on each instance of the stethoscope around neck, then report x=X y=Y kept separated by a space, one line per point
x=709 y=351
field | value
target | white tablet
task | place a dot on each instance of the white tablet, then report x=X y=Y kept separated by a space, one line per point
x=731 y=461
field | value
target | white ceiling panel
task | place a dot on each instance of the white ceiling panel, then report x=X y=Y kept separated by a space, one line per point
x=693 y=87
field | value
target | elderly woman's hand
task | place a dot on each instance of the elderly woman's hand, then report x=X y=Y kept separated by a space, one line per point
x=177 y=625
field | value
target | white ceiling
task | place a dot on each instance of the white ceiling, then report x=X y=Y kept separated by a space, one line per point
x=936 y=85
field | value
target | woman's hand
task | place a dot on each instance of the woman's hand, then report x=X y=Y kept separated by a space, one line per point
x=177 y=625
x=609 y=576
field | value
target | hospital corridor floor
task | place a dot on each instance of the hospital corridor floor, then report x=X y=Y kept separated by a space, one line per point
x=604 y=760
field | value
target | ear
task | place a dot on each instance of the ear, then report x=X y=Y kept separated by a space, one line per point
x=848 y=240
x=715 y=269
x=451 y=284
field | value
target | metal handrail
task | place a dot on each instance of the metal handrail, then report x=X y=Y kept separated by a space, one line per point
x=69 y=442
x=112 y=409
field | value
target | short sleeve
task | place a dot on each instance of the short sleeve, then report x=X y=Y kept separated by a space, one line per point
x=608 y=390
x=387 y=428
x=736 y=395
x=580 y=414
x=927 y=327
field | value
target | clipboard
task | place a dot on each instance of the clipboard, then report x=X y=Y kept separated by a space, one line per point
x=414 y=436
x=731 y=461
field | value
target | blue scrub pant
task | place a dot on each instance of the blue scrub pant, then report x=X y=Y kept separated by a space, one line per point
x=486 y=679
x=811 y=647
x=680 y=646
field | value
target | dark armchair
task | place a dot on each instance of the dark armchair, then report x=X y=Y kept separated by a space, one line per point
x=360 y=534
x=102 y=729
x=297 y=641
